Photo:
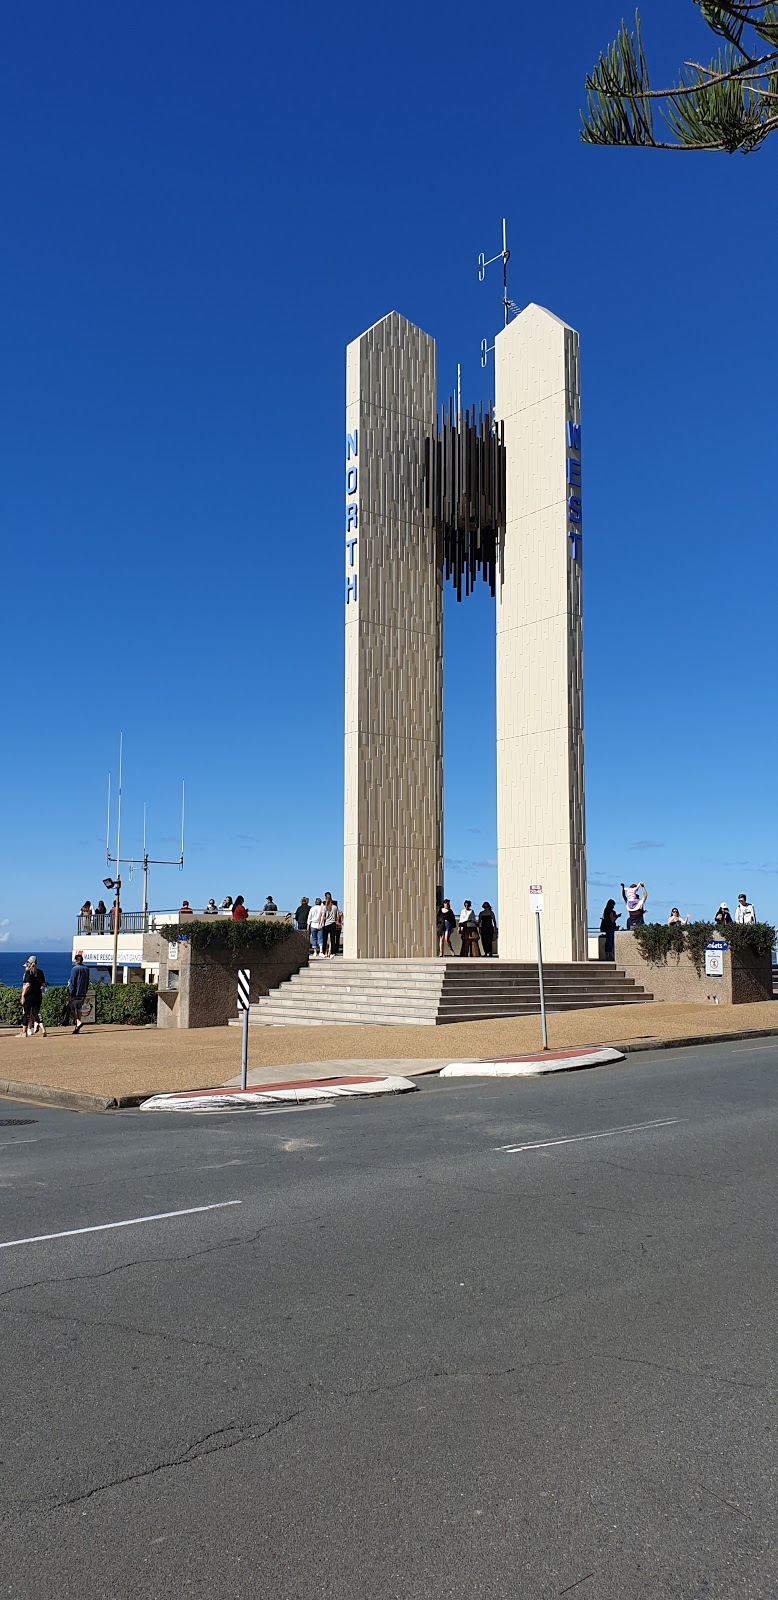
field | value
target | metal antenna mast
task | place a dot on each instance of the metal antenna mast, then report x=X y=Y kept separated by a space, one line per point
x=508 y=305
x=145 y=861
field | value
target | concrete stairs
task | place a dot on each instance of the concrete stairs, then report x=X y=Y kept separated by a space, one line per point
x=428 y=993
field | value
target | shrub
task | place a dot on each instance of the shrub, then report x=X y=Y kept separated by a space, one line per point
x=656 y=941
x=224 y=934
x=132 y=1003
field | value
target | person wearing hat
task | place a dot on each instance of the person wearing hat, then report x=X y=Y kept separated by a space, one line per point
x=33 y=985
x=722 y=915
x=78 y=983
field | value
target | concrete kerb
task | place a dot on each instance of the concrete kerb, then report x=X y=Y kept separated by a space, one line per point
x=531 y=1066
x=43 y=1094
x=288 y=1093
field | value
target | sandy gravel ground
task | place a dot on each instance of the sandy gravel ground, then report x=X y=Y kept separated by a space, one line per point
x=127 y=1061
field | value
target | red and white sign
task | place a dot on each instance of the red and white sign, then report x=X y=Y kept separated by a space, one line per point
x=536 y=897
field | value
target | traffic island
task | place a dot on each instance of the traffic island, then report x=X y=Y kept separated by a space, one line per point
x=532 y=1066
x=297 y=1093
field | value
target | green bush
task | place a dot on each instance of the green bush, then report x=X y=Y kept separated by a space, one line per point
x=656 y=941
x=133 y=1003
x=224 y=934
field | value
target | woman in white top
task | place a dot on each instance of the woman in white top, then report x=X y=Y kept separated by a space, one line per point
x=328 y=921
x=315 y=918
x=468 y=926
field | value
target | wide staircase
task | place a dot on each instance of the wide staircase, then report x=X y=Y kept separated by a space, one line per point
x=428 y=993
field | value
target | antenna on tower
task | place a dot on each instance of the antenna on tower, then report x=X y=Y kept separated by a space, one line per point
x=508 y=305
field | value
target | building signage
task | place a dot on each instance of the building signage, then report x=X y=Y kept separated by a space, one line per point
x=573 y=478
x=352 y=513
x=714 y=960
x=104 y=958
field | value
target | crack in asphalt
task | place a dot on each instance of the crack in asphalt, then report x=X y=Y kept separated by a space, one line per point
x=142 y=1261
x=198 y=1450
x=126 y=1327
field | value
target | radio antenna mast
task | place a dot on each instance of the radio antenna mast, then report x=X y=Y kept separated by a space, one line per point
x=508 y=305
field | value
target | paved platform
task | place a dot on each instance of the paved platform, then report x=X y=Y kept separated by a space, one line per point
x=116 y=1065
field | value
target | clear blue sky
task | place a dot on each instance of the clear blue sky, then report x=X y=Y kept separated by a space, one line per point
x=202 y=206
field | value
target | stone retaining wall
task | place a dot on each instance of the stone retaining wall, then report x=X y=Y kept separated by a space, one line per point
x=199 y=988
x=745 y=977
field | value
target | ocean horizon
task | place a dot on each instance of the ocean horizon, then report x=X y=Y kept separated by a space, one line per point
x=56 y=965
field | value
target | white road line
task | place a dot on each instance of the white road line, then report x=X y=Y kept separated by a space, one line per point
x=131 y=1222
x=546 y=1144
x=747 y=1049
x=8 y=1144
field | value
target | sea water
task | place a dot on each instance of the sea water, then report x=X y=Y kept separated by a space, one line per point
x=56 y=964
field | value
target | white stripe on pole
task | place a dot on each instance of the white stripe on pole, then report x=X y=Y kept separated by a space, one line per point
x=244 y=975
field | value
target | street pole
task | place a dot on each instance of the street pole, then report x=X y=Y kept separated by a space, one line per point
x=244 y=979
x=244 y=1058
x=116 y=919
x=540 y=984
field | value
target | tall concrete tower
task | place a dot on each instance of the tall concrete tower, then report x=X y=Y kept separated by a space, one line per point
x=541 y=834
x=393 y=818
x=495 y=497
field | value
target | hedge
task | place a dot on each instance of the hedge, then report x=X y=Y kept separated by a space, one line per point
x=656 y=941
x=223 y=933
x=134 y=1004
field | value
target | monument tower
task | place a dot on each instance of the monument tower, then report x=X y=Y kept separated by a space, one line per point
x=494 y=497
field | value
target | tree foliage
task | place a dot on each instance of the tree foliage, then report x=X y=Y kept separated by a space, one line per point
x=731 y=104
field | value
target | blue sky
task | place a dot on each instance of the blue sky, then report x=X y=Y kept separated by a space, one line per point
x=203 y=205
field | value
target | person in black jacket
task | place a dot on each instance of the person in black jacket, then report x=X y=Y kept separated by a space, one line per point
x=487 y=927
x=722 y=915
x=78 y=983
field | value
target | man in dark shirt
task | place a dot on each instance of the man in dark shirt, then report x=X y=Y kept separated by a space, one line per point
x=78 y=983
x=33 y=985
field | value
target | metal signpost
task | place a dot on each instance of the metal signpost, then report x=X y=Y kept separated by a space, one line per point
x=536 y=905
x=244 y=974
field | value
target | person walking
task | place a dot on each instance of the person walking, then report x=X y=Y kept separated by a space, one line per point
x=33 y=985
x=315 y=917
x=608 y=921
x=635 y=904
x=78 y=983
x=446 y=923
x=301 y=914
x=744 y=911
x=329 y=913
x=468 y=930
x=487 y=927
x=239 y=910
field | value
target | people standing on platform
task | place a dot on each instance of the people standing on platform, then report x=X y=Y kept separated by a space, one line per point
x=301 y=914
x=487 y=927
x=675 y=920
x=337 y=932
x=86 y=915
x=329 y=913
x=98 y=916
x=239 y=909
x=226 y=904
x=610 y=918
x=115 y=917
x=722 y=915
x=33 y=985
x=445 y=923
x=634 y=901
x=468 y=930
x=315 y=918
x=744 y=911
x=78 y=984
x=211 y=910
x=186 y=909
x=269 y=909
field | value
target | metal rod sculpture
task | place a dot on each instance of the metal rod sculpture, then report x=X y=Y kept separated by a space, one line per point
x=465 y=495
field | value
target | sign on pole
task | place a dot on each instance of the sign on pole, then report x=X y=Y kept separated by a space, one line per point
x=244 y=975
x=536 y=897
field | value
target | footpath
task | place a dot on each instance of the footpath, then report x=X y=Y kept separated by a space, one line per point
x=108 y=1067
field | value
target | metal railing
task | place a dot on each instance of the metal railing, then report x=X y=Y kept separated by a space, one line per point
x=138 y=922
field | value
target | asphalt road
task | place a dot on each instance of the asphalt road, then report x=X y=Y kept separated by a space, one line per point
x=409 y=1362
